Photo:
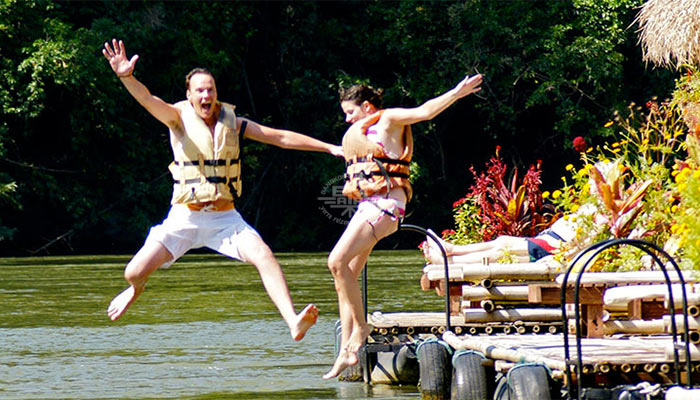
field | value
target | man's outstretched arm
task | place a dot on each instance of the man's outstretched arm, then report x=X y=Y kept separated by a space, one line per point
x=124 y=69
x=288 y=139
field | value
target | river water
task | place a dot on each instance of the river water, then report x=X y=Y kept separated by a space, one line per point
x=204 y=329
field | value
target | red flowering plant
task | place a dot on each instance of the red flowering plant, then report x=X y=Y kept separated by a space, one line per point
x=500 y=205
x=580 y=144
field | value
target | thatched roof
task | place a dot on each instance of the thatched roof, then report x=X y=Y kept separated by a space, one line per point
x=669 y=32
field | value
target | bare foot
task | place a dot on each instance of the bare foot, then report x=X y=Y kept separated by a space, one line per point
x=432 y=252
x=345 y=359
x=306 y=319
x=121 y=303
x=357 y=338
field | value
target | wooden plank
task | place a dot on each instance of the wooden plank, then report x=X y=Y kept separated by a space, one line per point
x=634 y=309
x=497 y=292
x=551 y=294
x=593 y=315
x=411 y=319
x=455 y=288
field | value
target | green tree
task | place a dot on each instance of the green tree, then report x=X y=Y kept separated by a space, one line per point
x=90 y=163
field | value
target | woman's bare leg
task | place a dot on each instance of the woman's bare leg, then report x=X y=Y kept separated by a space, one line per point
x=346 y=261
x=151 y=256
x=354 y=329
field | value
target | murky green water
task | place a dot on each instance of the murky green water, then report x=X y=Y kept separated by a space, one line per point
x=204 y=329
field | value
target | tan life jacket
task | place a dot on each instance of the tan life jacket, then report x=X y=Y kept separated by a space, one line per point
x=368 y=166
x=203 y=170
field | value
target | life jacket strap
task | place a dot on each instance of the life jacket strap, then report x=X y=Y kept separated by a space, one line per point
x=210 y=179
x=216 y=163
x=382 y=159
x=367 y=175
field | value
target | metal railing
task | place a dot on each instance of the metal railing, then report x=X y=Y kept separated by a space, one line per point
x=448 y=325
x=594 y=250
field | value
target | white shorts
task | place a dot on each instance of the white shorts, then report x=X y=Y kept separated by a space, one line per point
x=184 y=229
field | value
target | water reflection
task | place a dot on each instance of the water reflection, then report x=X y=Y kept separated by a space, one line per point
x=204 y=329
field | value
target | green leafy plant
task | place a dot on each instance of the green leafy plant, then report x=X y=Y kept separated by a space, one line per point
x=629 y=183
x=621 y=206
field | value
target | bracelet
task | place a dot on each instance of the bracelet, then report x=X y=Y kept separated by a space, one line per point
x=125 y=76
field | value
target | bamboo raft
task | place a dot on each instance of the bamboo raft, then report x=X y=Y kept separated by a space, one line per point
x=623 y=358
x=624 y=317
x=512 y=314
x=531 y=292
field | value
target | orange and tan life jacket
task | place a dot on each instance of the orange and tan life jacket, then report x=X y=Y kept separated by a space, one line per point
x=206 y=169
x=368 y=166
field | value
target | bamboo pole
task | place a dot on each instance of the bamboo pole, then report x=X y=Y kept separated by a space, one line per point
x=694 y=352
x=639 y=327
x=437 y=272
x=693 y=323
x=513 y=315
x=626 y=278
x=622 y=295
x=479 y=272
x=693 y=311
x=651 y=327
x=489 y=305
x=497 y=353
x=694 y=337
x=504 y=366
x=500 y=292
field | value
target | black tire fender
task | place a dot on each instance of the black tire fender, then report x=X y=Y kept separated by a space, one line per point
x=435 y=369
x=469 y=376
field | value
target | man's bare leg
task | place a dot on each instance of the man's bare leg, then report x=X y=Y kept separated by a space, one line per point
x=305 y=320
x=254 y=250
x=151 y=256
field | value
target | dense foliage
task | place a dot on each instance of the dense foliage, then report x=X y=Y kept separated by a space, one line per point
x=632 y=186
x=500 y=205
x=90 y=164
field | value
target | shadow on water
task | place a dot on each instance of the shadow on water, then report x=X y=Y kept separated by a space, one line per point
x=204 y=329
x=344 y=391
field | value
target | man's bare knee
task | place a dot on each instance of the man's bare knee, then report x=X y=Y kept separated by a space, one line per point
x=136 y=274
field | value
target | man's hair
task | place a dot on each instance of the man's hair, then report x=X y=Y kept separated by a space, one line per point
x=360 y=93
x=198 y=70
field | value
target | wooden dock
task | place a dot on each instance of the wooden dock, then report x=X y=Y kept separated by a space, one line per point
x=628 y=358
x=510 y=315
x=435 y=322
